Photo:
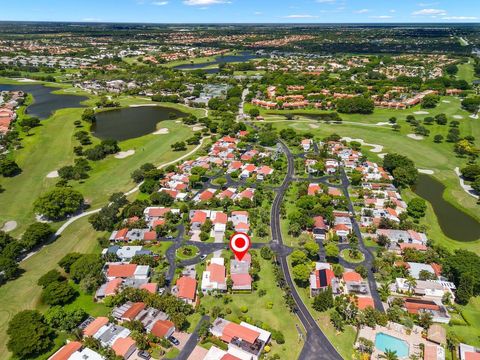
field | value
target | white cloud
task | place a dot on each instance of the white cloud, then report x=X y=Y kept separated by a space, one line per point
x=257 y=13
x=300 y=16
x=326 y=1
x=459 y=18
x=429 y=12
x=160 y=3
x=362 y=11
x=422 y=4
x=393 y=11
x=204 y=2
x=381 y=17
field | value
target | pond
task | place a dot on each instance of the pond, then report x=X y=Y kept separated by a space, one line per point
x=45 y=101
x=129 y=123
x=455 y=223
x=241 y=57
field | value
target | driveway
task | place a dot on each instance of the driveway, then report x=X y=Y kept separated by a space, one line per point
x=182 y=337
x=195 y=235
x=198 y=353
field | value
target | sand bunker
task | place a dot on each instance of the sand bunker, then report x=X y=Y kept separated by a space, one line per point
x=421 y=112
x=9 y=226
x=52 y=174
x=376 y=148
x=314 y=126
x=197 y=128
x=161 y=131
x=457 y=116
x=124 y=154
x=426 y=171
x=446 y=101
x=415 y=136
x=382 y=155
x=383 y=123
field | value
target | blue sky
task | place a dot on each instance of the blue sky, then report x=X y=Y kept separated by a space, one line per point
x=221 y=11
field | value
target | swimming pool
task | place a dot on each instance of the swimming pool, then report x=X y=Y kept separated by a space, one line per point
x=384 y=342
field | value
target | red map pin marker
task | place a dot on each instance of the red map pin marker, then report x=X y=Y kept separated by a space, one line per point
x=240 y=244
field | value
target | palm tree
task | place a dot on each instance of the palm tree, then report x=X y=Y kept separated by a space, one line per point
x=389 y=355
x=384 y=291
x=411 y=283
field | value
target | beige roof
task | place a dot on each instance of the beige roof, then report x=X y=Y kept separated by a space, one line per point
x=437 y=334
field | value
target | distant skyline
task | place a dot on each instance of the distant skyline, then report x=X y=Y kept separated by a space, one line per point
x=242 y=11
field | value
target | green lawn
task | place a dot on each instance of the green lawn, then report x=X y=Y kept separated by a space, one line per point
x=469 y=334
x=278 y=316
x=23 y=293
x=466 y=72
x=347 y=257
x=343 y=341
x=187 y=252
x=427 y=155
x=51 y=146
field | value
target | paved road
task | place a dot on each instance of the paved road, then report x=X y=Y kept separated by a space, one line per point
x=317 y=345
x=368 y=262
x=192 y=340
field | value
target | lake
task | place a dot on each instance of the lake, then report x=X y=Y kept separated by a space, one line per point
x=241 y=57
x=45 y=101
x=132 y=122
x=455 y=223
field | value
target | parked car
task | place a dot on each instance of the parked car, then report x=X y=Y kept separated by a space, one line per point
x=203 y=257
x=174 y=340
x=144 y=354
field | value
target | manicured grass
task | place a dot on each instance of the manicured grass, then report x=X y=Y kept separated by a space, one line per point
x=172 y=353
x=161 y=248
x=469 y=334
x=466 y=72
x=278 y=316
x=345 y=254
x=23 y=293
x=343 y=341
x=187 y=252
x=427 y=155
x=51 y=147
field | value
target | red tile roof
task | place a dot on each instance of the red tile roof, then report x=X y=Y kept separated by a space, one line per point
x=217 y=273
x=365 y=301
x=352 y=276
x=112 y=286
x=121 y=346
x=199 y=216
x=241 y=279
x=187 y=288
x=121 y=234
x=150 y=287
x=158 y=212
x=150 y=236
x=206 y=195
x=220 y=218
x=161 y=328
x=234 y=330
x=66 y=351
x=470 y=355
x=419 y=247
x=121 y=270
x=134 y=310
x=324 y=278
x=318 y=222
x=95 y=325
x=228 y=356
